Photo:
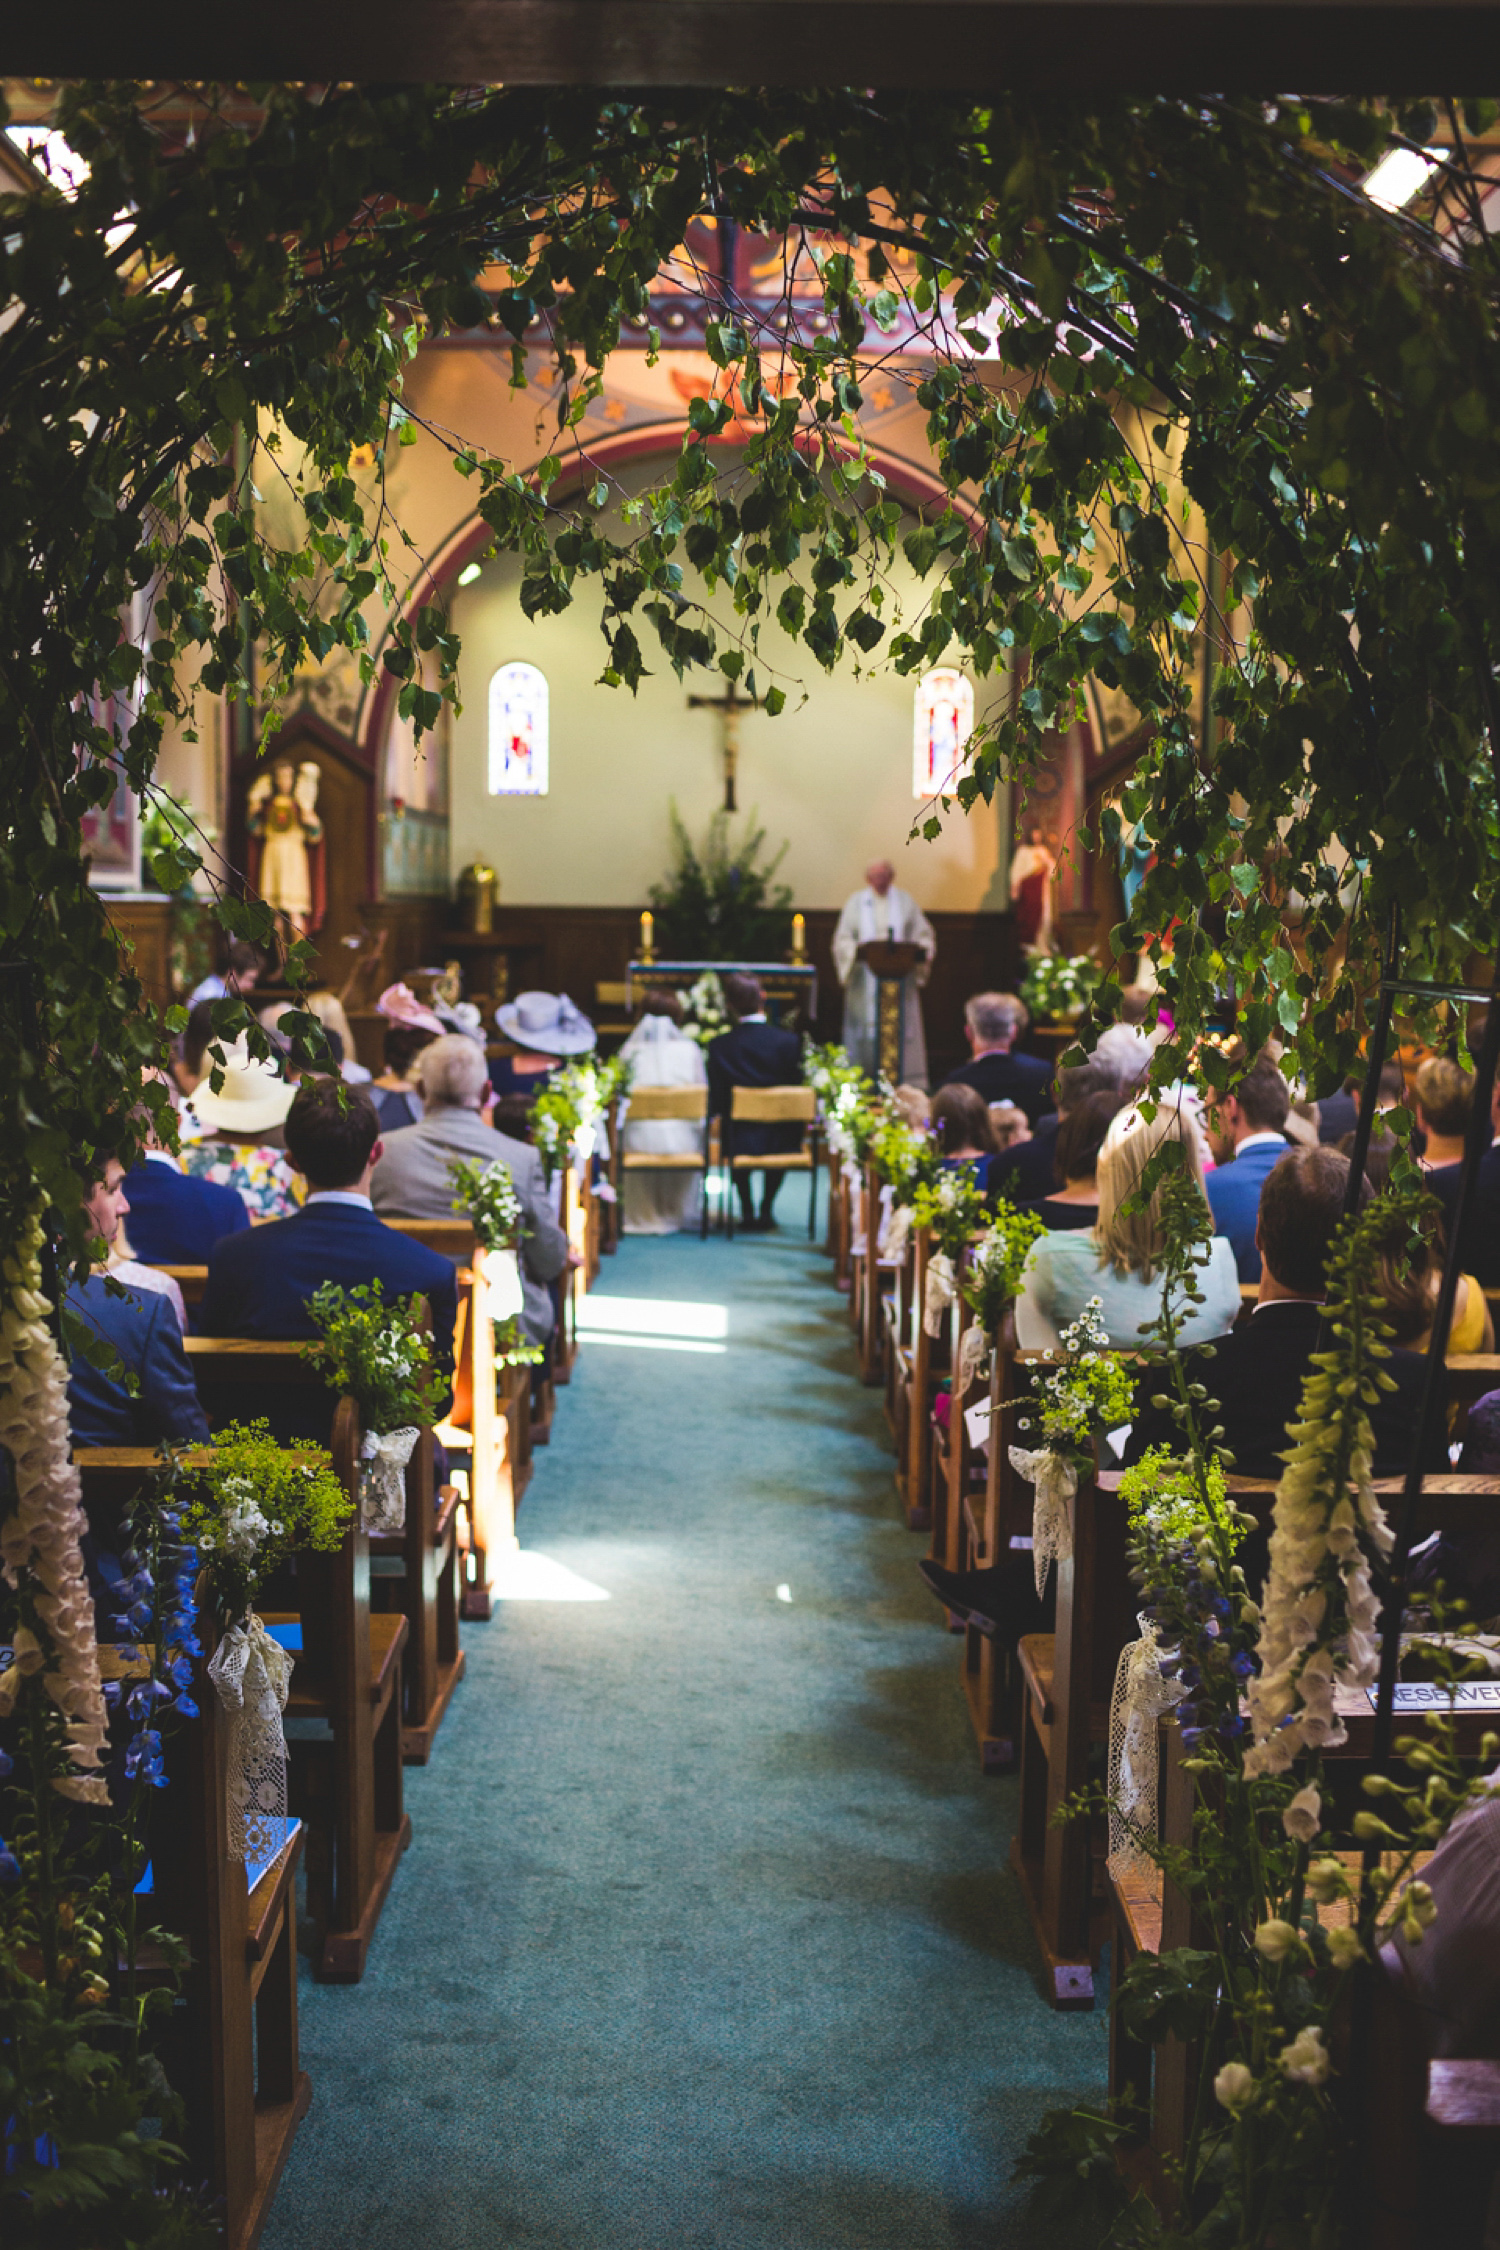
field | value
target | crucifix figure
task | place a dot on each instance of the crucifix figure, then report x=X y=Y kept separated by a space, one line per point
x=730 y=706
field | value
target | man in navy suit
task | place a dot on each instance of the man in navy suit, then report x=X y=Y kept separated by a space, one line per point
x=1245 y=1133
x=993 y=1022
x=176 y=1220
x=259 y=1282
x=143 y=1330
x=754 y=1053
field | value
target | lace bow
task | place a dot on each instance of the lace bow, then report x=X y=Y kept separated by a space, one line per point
x=973 y=1351
x=383 y=1455
x=1056 y=1482
x=939 y=1293
x=252 y=1675
x=1140 y=1698
x=502 y=1273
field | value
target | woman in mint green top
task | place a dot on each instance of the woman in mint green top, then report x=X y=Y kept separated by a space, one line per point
x=1118 y=1260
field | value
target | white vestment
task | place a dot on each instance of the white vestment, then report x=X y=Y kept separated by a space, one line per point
x=899 y=920
x=662 y=1202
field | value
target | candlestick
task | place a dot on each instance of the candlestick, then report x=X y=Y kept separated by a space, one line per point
x=648 y=936
x=799 y=937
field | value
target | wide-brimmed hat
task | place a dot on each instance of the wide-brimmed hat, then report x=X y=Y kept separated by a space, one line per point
x=253 y=1097
x=399 y=1004
x=547 y=1021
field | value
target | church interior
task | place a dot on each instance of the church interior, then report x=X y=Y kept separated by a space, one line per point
x=749 y=1403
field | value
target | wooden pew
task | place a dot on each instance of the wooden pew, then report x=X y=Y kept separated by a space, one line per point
x=874 y=1278
x=245 y=2088
x=993 y=1521
x=347 y=1674
x=840 y=1215
x=191 y=1280
x=923 y=1364
x=426 y=1592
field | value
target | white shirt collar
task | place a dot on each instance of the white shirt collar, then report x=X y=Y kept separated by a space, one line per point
x=1269 y=1304
x=754 y=1019
x=340 y=1195
x=163 y=1156
x=1254 y=1140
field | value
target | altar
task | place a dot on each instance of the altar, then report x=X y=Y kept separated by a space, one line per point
x=788 y=985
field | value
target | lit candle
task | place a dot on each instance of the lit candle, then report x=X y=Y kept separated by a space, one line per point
x=648 y=935
x=799 y=937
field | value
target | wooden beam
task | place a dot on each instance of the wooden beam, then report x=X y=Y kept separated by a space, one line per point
x=1056 y=46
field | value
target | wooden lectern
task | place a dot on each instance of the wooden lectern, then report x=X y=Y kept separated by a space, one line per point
x=890 y=965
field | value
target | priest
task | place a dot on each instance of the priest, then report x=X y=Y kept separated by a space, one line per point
x=882 y=913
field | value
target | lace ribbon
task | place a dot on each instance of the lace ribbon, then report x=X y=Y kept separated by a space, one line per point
x=941 y=1289
x=973 y=1352
x=891 y=1222
x=855 y=1179
x=383 y=1455
x=1140 y=1698
x=1056 y=1482
x=252 y=1674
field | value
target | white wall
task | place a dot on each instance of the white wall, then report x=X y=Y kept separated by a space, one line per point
x=831 y=775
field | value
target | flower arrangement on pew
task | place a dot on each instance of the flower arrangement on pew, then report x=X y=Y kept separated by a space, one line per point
x=990 y=1281
x=1083 y=1397
x=568 y=1111
x=842 y=1087
x=380 y=1355
x=1060 y=985
x=252 y=1502
x=1269 y=1998
x=78 y=2067
x=953 y=1210
x=485 y=1194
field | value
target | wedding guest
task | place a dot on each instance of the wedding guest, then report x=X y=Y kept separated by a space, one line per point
x=993 y=1022
x=413 y=1178
x=144 y=1330
x=1246 y=1132
x=1074 y=1201
x=661 y=1054
x=1119 y=1259
x=547 y=1028
x=409 y=1028
x=242 y=1145
x=238 y=980
x=259 y=1282
x=961 y=1126
x=1409 y=1280
x=176 y=1217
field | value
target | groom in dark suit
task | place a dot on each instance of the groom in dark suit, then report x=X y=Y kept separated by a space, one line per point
x=754 y=1053
x=259 y=1282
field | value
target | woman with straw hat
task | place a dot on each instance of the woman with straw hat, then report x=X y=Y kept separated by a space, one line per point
x=242 y=1145
x=548 y=1027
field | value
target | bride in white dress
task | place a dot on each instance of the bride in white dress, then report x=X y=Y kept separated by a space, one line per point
x=660 y=1053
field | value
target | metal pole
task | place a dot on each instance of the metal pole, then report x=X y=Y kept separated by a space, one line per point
x=1478 y=1139
x=1375 y=1063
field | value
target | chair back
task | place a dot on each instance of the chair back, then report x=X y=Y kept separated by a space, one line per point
x=773 y=1105
x=651 y=1105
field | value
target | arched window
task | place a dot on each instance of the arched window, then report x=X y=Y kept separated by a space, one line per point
x=943 y=720
x=518 y=732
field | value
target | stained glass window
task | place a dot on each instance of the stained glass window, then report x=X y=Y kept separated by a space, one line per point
x=942 y=723
x=518 y=732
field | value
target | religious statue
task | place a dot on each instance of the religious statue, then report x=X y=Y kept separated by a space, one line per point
x=883 y=950
x=286 y=844
x=1031 y=874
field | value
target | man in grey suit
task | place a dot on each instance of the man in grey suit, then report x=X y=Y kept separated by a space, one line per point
x=413 y=1179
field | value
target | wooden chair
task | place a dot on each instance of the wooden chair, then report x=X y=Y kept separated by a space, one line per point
x=653 y=1105
x=775 y=1105
x=347 y=1675
x=245 y=2089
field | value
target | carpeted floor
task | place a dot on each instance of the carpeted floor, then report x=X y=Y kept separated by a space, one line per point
x=704 y=1937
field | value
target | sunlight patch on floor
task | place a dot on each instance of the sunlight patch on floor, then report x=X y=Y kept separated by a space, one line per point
x=525 y=1576
x=663 y=1324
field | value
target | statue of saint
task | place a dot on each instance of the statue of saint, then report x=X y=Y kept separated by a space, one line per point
x=1031 y=877
x=286 y=847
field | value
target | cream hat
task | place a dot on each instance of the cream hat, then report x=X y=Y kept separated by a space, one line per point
x=253 y=1098
x=547 y=1021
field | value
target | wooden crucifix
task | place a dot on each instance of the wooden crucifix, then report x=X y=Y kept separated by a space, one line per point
x=729 y=706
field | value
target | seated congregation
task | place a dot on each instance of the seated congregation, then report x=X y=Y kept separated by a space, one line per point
x=1150 y=1634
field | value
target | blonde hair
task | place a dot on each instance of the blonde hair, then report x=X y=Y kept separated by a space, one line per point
x=329 y=1010
x=1133 y=1242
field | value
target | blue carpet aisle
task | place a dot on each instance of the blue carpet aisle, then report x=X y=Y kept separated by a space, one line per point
x=704 y=1937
